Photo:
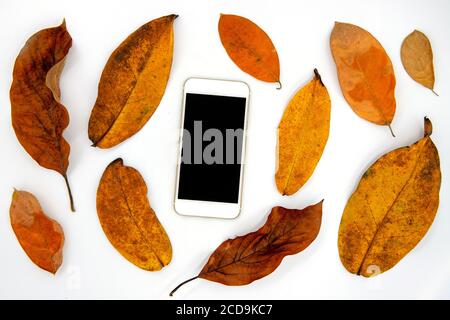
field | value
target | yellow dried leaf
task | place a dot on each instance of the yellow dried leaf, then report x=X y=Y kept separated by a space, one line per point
x=392 y=208
x=302 y=136
x=128 y=220
x=133 y=83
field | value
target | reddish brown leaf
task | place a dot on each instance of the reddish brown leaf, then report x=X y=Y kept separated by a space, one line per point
x=42 y=238
x=38 y=117
x=244 y=259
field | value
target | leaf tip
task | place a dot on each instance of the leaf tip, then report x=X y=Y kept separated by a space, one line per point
x=118 y=160
x=318 y=77
x=63 y=24
x=427 y=127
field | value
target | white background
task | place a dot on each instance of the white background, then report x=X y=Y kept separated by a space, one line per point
x=300 y=30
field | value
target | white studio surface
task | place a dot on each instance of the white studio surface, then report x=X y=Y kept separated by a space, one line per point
x=300 y=30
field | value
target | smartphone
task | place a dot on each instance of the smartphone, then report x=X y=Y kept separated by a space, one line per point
x=212 y=148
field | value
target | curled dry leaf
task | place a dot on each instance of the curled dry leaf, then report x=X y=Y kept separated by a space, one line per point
x=302 y=135
x=38 y=117
x=127 y=219
x=249 y=47
x=244 y=259
x=417 y=59
x=392 y=208
x=41 y=238
x=365 y=73
x=133 y=83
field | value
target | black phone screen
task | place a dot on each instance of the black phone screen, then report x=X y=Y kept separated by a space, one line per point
x=213 y=132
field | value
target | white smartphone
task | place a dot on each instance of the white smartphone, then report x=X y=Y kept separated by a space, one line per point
x=212 y=148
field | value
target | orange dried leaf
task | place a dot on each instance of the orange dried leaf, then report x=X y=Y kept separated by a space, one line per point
x=133 y=83
x=127 y=219
x=249 y=47
x=392 y=208
x=41 y=238
x=302 y=135
x=365 y=73
x=38 y=117
x=244 y=259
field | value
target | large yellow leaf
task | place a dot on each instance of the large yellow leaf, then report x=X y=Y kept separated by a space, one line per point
x=132 y=83
x=302 y=136
x=392 y=208
x=128 y=220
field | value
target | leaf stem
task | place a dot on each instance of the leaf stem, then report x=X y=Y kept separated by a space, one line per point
x=390 y=128
x=72 y=206
x=181 y=284
x=432 y=90
x=279 y=85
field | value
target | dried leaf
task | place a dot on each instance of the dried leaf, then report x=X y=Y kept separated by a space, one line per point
x=133 y=83
x=244 y=259
x=249 y=47
x=392 y=208
x=365 y=73
x=127 y=219
x=38 y=117
x=417 y=58
x=41 y=238
x=302 y=135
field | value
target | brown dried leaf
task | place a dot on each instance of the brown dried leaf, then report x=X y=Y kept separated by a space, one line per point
x=392 y=208
x=365 y=73
x=41 y=238
x=133 y=83
x=302 y=135
x=249 y=47
x=244 y=259
x=417 y=58
x=127 y=219
x=38 y=117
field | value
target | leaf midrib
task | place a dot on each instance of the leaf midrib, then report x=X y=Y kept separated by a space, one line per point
x=382 y=223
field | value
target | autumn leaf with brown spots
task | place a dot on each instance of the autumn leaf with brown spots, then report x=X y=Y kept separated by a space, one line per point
x=127 y=219
x=392 y=208
x=133 y=83
x=302 y=135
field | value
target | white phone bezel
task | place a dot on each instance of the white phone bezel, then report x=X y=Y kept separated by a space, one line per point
x=212 y=209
